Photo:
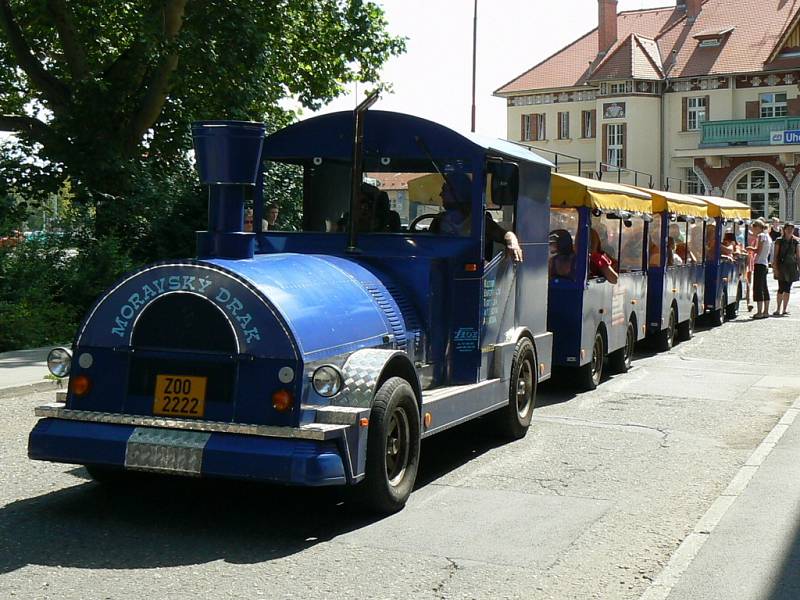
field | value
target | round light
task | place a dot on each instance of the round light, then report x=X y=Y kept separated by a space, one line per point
x=286 y=375
x=327 y=381
x=85 y=360
x=59 y=361
x=80 y=385
x=282 y=400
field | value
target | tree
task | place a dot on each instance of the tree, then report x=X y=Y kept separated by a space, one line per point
x=104 y=92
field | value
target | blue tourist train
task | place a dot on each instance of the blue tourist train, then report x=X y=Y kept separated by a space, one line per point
x=322 y=356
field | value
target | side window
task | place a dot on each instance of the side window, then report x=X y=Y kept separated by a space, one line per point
x=605 y=237
x=696 y=241
x=655 y=241
x=676 y=243
x=711 y=241
x=563 y=242
x=631 y=256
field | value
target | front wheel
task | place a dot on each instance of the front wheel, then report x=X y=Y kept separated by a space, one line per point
x=620 y=360
x=719 y=316
x=590 y=374
x=393 y=447
x=515 y=419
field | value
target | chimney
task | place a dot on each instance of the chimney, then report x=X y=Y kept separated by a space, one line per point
x=692 y=8
x=607 y=25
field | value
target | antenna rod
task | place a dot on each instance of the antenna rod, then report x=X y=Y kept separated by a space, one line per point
x=355 y=182
x=474 y=56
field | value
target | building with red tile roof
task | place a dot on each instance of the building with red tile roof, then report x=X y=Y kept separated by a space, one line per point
x=702 y=96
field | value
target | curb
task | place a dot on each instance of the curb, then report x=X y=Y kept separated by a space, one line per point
x=30 y=388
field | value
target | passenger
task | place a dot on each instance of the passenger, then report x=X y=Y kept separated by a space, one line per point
x=456 y=219
x=374 y=214
x=600 y=263
x=562 y=253
x=785 y=262
x=728 y=248
x=248 y=221
x=272 y=217
x=761 y=249
x=673 y=258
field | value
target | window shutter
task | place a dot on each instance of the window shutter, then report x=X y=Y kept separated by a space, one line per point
x=604 y=158
x=752 y=110
x=593 y=132
x=684 y=114
x=522 y=127
x=793 y=107
x=708 y=108
x=560 y=129
x=624 y=161
x=544 y=127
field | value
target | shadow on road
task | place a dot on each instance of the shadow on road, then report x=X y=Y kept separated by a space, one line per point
x=163 y=521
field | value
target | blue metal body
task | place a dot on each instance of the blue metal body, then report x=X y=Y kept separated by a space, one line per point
x=678 y=287
x=603 y=307
x=724 y=278
x=427 y=308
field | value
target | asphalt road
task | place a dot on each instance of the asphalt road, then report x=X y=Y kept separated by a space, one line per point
x=591 y=504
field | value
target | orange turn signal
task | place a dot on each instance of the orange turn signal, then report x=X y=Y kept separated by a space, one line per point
x=282 y=400
x=471 y=267
x=364 y=422
x=80 y=385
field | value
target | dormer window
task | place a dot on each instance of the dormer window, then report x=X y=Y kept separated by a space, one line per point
x=712 y=37
x=616 y=88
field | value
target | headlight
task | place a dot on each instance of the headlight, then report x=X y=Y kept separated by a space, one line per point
x=59 y=361
x=327 y=381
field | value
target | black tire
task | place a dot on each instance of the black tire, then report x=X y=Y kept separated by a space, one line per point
x=732 y=310
x=666 y=337
x=620 y=360
x=686 y=329
x=590 y=374
x=514 y=420
x=719 y=316
x=393 y=446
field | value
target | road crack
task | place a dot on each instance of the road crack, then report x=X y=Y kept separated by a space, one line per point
x=450 y=571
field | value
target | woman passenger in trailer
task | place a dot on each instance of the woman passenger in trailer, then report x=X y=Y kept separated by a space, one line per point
x=562 y=254
x=600 y=263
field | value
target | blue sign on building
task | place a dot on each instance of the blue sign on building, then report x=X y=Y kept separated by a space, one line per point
x=791 y=136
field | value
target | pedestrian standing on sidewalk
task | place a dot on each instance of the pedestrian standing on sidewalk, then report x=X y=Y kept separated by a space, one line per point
x=785 y=261
x=761 y=249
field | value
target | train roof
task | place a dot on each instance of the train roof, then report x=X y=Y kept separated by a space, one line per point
x=725 y=207
x=679 y=204
x=389 y=134
x=570 y=191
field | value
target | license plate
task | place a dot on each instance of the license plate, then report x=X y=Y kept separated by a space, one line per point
x=180 y=396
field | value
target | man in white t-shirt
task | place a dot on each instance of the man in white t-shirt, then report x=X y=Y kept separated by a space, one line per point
x=761 y=250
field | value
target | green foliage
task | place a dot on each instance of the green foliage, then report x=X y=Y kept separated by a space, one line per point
x=101 y=96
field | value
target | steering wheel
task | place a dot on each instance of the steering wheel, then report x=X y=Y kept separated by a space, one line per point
x=413 y=225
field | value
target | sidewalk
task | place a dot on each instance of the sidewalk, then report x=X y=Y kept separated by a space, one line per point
x=24 y=371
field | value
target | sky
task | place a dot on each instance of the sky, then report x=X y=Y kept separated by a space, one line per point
x=433 y=79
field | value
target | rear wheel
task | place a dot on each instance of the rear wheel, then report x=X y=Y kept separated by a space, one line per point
x=620 y=360
x=393 y=445
x=718 y=317
x=590 y=374
x=666 y=337
x=732 y=310
x=515 y=419
x=686 y=329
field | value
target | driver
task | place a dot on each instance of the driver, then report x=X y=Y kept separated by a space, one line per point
x=456 y=219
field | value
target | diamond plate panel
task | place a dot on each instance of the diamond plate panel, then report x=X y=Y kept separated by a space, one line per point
x=166 y=450
x=361 y=373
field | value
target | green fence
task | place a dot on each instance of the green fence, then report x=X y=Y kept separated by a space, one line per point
x=745 y=132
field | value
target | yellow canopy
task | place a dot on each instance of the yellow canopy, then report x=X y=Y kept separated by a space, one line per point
x=725 y=208
x=679 y=204
x=569 y=191
x=425 y=189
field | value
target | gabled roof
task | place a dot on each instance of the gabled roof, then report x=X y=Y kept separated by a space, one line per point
x=635 y=58
x=751 y=43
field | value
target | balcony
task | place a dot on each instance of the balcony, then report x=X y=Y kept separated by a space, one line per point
x=744 y=132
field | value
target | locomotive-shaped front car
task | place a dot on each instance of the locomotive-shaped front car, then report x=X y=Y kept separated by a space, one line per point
x=319 y=357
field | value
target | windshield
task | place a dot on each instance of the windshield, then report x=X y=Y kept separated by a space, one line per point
x=395 y=196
